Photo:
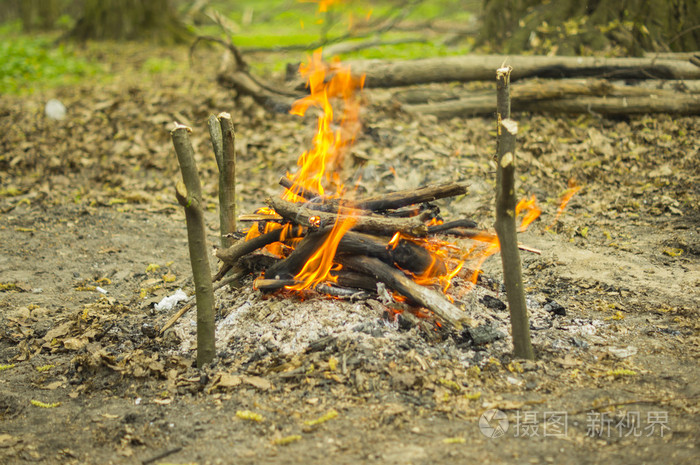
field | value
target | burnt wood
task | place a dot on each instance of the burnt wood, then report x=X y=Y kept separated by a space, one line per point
x=300 y=214
x=290 y=266
x=390 y=201
x=399 y=282
x=231 y=254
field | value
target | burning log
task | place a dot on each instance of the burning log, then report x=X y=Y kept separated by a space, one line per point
x=290 y=266
x=300 y=214
x=390 y=201
x=405 y=254
x=244 y=246
x=399 y=282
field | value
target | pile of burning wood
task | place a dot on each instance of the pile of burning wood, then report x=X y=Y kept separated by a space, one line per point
x=343 y=247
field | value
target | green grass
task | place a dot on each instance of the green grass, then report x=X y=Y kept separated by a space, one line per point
x=30 y=63
x=279 y=23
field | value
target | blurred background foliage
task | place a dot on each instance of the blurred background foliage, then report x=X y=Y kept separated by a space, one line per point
x=43 y=42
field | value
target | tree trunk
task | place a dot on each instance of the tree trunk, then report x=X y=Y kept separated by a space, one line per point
x=155 y=20
x=38 y=14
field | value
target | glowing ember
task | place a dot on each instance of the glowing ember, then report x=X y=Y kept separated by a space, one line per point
x=565 y=198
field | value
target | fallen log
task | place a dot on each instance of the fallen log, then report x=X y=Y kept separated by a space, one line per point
x=385 y=73
x=233 y=74
x=673 y=103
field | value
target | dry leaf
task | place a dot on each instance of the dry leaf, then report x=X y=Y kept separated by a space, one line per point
x=258 y=382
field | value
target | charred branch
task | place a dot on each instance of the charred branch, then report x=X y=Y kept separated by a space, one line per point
x=290 y=266
x=399 y=282
x=300 y=214
x=383 y=202
x=244 y=247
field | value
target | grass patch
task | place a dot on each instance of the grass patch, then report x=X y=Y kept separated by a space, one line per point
x=31 y=63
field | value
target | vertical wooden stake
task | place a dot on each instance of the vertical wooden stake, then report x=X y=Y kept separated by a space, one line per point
x=223 y=143
x=505 y=219
x=189 y=195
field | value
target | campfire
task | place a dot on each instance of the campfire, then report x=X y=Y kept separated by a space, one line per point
x=321 y=236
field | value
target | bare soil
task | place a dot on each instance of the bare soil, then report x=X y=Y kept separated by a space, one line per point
x=87 y=208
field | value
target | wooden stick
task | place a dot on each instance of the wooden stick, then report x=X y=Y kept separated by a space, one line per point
x=411 y=196
x=244 y=247
x=389 y=201
x=485 y=236
x=505 y=220
x=441 y=228
x=400 y=283
x=189 y=195
x=335 y=291
x=227 y=179
x=302 y=215
x=300 y=191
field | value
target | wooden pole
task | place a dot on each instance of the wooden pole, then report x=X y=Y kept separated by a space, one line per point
x=189 y=195
x=223 y=141
x=505 y=219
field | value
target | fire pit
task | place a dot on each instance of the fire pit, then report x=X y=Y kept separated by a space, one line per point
x=320 y=236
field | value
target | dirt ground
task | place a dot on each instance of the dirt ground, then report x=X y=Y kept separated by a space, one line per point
x=91 y=237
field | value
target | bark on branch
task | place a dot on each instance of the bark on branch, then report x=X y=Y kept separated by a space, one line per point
x=505 y=219
x=570 y=96
x=301 y=215
x=384 y=73
x=189 y=195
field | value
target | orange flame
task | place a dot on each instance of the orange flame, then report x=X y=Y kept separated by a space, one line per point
x=323 y=5
x=275 y=248
x=321 y=163
x=441 y=252
x=574 y=187
x=317 y=268
x=478 y=255
x=532 y=212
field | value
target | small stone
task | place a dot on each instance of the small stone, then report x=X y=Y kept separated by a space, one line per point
x=149 y=330
x=623 y=352
x=554 y=307
x=483 y=334
x=493 y=303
